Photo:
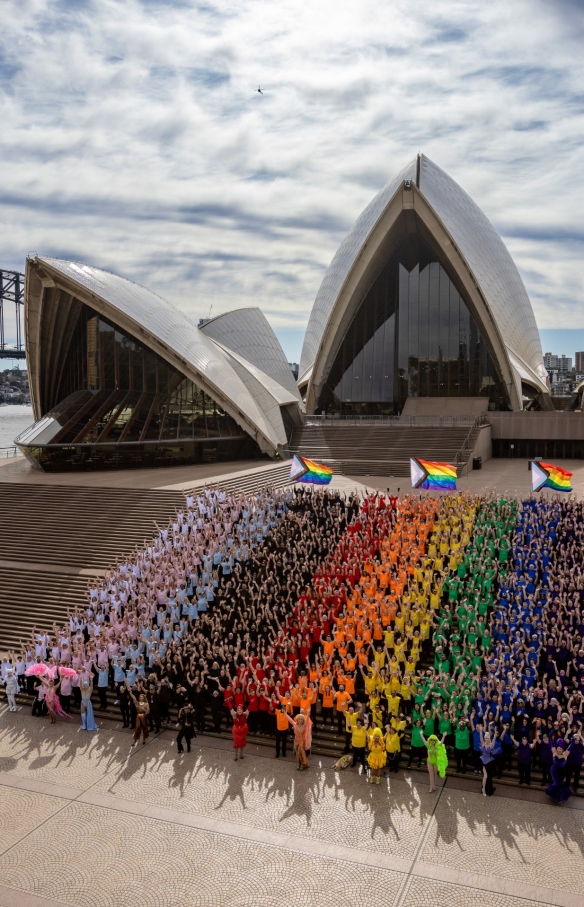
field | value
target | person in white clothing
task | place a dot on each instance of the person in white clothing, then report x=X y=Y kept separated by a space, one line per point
x=12 y=689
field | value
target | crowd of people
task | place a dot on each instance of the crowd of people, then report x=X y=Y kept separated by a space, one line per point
x=447 y=625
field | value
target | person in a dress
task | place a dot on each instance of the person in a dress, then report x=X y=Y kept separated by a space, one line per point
x=377 y=756
x=142 y=709
x=302 y=727
x=87 y=717
x=239 y=731
x=558 y=790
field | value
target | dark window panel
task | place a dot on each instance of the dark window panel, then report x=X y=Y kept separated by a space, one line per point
x=411 y=335
x=123 y=417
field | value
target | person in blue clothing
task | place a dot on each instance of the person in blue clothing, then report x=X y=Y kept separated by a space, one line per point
x=87 y=718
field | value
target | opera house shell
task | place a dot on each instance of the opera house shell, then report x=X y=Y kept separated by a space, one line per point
x=422 y=299
x=120 y=377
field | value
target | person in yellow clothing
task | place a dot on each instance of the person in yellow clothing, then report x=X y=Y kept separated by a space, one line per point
x=393 y=703
x=392 y=747
x=377 y=756
x=359 y=743
x=350 y=723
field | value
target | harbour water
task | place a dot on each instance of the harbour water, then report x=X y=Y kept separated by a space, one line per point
x=13 y=420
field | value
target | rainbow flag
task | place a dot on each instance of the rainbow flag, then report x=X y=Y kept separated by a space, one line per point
x=430 y=476
x=310 y=473
x=546 y=475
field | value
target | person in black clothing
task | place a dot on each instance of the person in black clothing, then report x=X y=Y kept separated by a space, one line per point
x=164 y=692
x=153 y=702
x=186 y=718
x=216 y=706
x=198 y=701
x=39 y=706
x=124 y=704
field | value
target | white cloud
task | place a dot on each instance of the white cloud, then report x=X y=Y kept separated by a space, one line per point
x=133 y=136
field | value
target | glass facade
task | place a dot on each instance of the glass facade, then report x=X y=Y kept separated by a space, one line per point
x=412 y=336
x=123 y=405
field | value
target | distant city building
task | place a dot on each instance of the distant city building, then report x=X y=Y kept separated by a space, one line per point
x=14 y=386
x=580 y=362
x=561 y=363
x=294 y=369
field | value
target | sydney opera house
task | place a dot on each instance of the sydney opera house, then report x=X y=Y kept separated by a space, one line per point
x=422 y=299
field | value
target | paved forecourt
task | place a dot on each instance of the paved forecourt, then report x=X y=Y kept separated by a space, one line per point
x=84 y=820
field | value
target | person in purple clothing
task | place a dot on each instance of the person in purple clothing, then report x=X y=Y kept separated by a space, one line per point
x=524 y=754
x=574 y=760
x=546 y=757
x=558 y=790
x=488 y=762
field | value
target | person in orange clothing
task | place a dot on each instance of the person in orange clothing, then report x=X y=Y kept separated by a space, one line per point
x=282 y=728
x=306 y=699
x=328 y=647
x=327 y=706
x=342 y=700
x=295 y=699
x=286 y=701
x=348 y=681
x=350 y=663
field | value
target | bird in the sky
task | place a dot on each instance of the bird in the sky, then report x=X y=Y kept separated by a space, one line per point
x=260 y=91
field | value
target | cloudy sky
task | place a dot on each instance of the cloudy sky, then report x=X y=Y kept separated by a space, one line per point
x=133 y=137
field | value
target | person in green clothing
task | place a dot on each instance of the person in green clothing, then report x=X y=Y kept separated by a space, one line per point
x=462 y=745
x=445 y=726
x=436 y=759
x=429 y=722
x=417 y=745
x=476 y=661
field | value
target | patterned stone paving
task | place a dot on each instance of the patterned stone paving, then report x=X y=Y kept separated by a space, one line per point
x=429 y=893
x=60 y=753
x=95 y=858
x=20 y=813
x=202 y=831
x=270 y=794
x=524 y=841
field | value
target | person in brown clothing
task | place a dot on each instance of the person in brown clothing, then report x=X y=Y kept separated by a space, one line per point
x=142 y=709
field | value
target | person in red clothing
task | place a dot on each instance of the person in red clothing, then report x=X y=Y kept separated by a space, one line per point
x=265 y=707
x=228 y=700
x=253 y=706
x=239 y=731
x=239 y=697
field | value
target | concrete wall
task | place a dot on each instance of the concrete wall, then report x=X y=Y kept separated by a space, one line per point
x=544 y=426
x=445 y=406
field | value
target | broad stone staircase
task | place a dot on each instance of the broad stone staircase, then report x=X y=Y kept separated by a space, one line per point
x=55 y=539
x=381 y=449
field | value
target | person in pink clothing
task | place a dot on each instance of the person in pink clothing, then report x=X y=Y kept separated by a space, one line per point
x=302 y=727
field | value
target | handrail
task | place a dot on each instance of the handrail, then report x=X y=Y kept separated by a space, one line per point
x=15 y=451
x=479 y=422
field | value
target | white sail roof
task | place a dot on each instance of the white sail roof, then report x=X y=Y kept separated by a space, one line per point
x=174 y=336
x=480 y=246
